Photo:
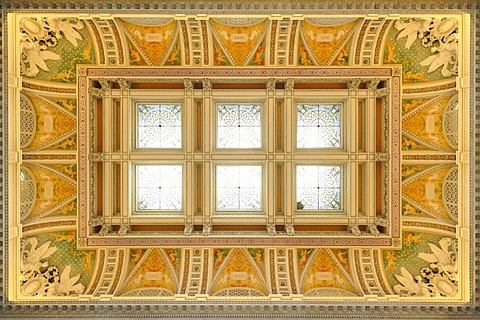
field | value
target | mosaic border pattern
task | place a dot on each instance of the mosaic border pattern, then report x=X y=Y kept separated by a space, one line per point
x=266 y=309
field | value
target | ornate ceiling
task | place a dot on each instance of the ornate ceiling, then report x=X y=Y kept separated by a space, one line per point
x=429 y=273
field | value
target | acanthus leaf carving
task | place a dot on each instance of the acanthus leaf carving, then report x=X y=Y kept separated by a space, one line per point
x=38 y=278
x=188 y=230
x=271 y=230
x=354 y=83
x=123 y=84
x=438 y=279
x=440 y=35
x=38 y=35
x=207 y=229
x=104 y=230
x=95 y=92
x=289 y=229
x=188 y=83
x=105 y=83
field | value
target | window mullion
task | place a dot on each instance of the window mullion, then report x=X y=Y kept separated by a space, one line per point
x=189 y=121
x=126 y=209
x=209 y=109
x=107 y=189
x=289 y=114
x=351 y=206
x=370 y=127
x=269 y=204
x=126 y=126
x=189 y=138
x=189 y=192
x=107 y=137
x=371 y=122
x=269 y=123
x=289 y=168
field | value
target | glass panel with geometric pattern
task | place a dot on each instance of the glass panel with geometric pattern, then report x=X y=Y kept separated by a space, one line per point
x=159 y=187
x=159 y=126
x=239 y=126
x=239 y=188
x=318 y=126
x=319 y=187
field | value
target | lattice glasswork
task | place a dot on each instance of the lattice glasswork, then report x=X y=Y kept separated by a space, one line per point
x=319 y=187
x=239 y=126
x=159 y=126
x=239 y=188
x=318 y=126
x=159 y=187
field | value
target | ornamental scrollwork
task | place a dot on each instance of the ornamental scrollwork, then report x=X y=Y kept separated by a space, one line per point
x=38 y=35
x=438 y=279
x=440 y=35
x=38 y=278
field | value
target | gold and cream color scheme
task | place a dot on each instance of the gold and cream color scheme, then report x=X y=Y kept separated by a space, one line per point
x=288 y=124
x=289 y=159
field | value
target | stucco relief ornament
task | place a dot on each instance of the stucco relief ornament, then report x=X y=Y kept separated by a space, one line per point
x=438 y=34
x=38 y=35
x=38 y=278
x=439 y=279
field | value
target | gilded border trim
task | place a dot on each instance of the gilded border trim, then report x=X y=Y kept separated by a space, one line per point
x=368 y=309
x=87 y=73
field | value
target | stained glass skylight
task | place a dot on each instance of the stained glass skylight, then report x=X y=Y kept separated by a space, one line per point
x=159 y=126
x=239 y=187
x=318 y=126
x=239 y=126
x=319 y=187
x=159 y=187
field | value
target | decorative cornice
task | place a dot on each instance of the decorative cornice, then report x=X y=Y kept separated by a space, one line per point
x=332 y=308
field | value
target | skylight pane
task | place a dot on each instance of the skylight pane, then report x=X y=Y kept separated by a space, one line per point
x=318 y=126
x=239 y=126
x=159 y=187
x=239 y=188
x=319 y=187
x=159 y=126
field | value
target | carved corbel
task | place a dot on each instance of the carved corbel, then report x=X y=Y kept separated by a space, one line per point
x=289 y=229
x=94 y=222
x=355 y=230
x=105 y=230
x=383 y=222
x=124 y=85
x=207 y=229
x=354 y=83
x=188 y=83
x=271 y=84
x=289 y=84
x=207 y=84
x=188 y=230
x=382 y=92
x=104 y=83
x=123 y=230
x=271 y=230
x=373 y=84
x=373 y=230
x=95 y=92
